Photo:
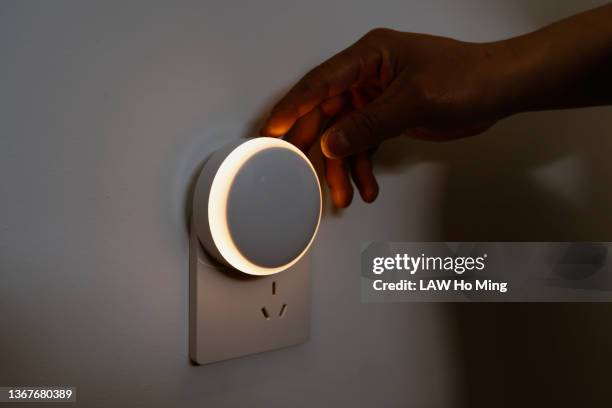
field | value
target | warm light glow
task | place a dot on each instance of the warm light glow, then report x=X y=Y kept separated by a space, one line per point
x=217 y=203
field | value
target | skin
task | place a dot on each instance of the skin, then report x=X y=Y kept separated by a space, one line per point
x=392 y=83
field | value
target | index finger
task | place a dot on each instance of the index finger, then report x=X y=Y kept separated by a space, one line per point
x=329 y=79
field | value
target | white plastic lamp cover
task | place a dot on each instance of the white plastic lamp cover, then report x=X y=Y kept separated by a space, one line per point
x=257 y=205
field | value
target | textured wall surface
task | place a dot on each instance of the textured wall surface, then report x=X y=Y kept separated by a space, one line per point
x=108 y=108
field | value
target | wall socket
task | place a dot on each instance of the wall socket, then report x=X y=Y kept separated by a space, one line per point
x=232 y=314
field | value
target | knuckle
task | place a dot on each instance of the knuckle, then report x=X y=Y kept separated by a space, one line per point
x=315 y=81
x=423 y=91
x=309 y=85
x=378 y=33
x=431 y=98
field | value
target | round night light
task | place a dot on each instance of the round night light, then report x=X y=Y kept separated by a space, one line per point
x=257 y=205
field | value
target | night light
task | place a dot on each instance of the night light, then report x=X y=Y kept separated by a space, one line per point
x=257 y=205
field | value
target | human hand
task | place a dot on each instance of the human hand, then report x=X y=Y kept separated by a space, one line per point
x=388 y=83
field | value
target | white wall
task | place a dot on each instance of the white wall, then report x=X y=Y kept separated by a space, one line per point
x=108 y=108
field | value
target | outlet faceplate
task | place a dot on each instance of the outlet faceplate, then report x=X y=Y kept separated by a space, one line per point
x=232 y=314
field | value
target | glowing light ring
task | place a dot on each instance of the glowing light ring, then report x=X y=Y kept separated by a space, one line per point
x=218 y=197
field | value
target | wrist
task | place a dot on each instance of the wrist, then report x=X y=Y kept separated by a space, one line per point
x=509 y=68
x=564 y=65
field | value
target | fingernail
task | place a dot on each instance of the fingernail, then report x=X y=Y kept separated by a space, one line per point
x=334 y=143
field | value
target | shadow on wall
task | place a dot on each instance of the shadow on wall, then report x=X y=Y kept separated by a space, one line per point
x=535 y=177
x=532 y=354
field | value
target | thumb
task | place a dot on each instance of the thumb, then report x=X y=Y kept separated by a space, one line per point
x=385 y=117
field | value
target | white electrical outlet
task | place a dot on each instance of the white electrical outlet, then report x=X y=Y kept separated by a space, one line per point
x=256 y=211
x=233 y=314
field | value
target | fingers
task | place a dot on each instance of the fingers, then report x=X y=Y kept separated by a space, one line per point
x=329 y=79
x=337 y=177
x=333 y=106
x=387 y=116
x=363 y=176
x=306 y=129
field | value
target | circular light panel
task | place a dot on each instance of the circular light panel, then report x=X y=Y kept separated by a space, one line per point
x=264 y=206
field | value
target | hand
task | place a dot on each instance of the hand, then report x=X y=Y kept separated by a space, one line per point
x=388 y=83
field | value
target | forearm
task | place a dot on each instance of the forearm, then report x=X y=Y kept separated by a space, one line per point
x=565 y=65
